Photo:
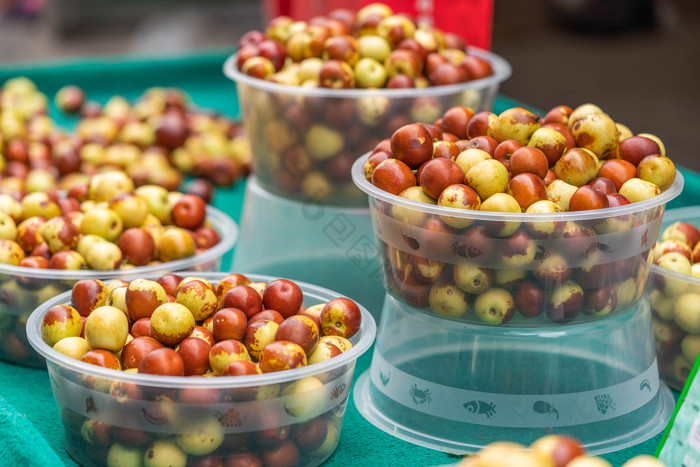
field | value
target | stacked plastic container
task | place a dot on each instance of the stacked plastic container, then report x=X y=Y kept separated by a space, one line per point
x=454 y=369
x=110 y=416
x=674 y=298
x=302 y=214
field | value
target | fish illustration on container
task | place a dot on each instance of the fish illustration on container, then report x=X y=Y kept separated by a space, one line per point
x=481 y=408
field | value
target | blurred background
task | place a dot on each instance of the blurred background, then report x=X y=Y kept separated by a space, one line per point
x=637 y=59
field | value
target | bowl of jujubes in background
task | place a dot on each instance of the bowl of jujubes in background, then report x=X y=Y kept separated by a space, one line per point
x=139 y=152
x=202 y=369
x=516 y=219
x=159 y=138
x=674 y=295
x=104 y=230
x=316 y=94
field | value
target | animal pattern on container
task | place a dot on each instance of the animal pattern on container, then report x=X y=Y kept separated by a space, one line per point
x=90 y=397
x=672 y=297
x=513 y=410
x=481 y=407
x=545 y=407
x=613 y=246
x=420 y=396
x=608 y=252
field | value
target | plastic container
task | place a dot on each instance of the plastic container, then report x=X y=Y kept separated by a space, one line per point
x=479 y=267
x=22 y=289
x=304 y=140
x=675 y=305
x=457 y=387
x=325 y=245
x=249 y=412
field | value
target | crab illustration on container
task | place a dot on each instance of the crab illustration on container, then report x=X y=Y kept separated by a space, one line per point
x=420 y=396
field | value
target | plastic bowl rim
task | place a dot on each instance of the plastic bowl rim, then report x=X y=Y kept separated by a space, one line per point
x=501 y=71
x=671 y=216
x=600 y=214
x=367 y=334
x=221 y=222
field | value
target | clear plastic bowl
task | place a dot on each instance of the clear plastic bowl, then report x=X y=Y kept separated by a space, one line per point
x=457 y=387
x=556 y=268
x=22 y=289
x=312 y=243
x=248 y=411
x=304 y=140
x=675 y=297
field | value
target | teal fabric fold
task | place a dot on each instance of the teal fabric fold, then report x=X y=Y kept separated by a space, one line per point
x=21 y=443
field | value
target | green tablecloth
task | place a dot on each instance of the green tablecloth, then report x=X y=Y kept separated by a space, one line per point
x=30 y=430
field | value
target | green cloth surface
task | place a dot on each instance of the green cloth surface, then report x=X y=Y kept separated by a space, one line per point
x=22 y=442
x=30 y=429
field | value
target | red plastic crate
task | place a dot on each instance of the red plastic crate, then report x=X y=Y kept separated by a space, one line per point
x=471 y=19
